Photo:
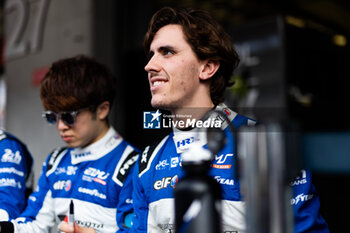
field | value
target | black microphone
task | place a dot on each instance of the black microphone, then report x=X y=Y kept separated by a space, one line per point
x=6 y=227
x=197 y=195
x=216 y=140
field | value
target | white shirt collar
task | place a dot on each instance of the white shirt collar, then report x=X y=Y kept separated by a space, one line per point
x=97 y=149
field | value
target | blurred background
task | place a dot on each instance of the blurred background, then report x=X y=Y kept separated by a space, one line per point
x=295 y=59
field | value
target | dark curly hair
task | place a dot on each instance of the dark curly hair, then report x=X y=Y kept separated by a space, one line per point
x=207 y=39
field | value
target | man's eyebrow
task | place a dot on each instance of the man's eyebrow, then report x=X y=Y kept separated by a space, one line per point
x=166 y=48
x=161 y=49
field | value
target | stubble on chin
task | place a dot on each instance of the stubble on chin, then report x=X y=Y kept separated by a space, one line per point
x=158 y=105
x=157 y=102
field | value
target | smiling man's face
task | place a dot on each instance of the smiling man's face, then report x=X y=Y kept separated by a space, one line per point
x=173 y=70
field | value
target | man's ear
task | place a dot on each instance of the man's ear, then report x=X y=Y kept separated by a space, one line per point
x=103 y=110
x=209 y=69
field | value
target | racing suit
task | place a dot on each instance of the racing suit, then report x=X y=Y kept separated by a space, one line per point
x=159 y=168
x=95 y=178
x=16 y=177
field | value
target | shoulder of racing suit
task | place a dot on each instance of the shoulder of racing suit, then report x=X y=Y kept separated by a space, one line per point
x=54 y=158
x=149 y=154
x=125 y=165
x=29 y=160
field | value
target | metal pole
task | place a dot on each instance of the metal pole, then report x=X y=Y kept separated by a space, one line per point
x=264 y=187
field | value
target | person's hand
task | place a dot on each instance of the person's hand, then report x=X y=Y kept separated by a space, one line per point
x=65 y=227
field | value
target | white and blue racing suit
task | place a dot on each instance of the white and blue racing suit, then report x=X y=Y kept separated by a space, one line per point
x=95 y=178
x=16 y=177
x=159 y=169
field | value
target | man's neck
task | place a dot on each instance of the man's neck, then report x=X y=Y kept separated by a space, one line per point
x=101 y=132
x=195 y=113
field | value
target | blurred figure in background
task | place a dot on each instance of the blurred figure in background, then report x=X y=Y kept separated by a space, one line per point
x=16 y=177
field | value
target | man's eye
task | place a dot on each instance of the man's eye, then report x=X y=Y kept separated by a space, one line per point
x=168 y=52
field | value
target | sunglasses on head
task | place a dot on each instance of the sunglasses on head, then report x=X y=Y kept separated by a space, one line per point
x=67 y=117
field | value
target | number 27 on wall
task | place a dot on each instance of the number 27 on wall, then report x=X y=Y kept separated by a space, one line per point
x=24 y=26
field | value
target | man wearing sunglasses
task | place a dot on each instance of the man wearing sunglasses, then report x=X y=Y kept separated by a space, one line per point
x=92 y=171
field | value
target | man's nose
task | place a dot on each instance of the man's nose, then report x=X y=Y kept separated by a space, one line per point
x=153 y=64
x=61 y=125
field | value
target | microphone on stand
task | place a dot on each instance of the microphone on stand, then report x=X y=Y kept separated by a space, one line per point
x=197 y=195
